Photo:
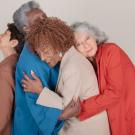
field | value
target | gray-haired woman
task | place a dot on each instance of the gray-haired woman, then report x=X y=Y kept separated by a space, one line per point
x=116 y=78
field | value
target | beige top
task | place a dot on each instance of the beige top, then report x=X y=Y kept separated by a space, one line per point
x=7 y=71
x=76 y=79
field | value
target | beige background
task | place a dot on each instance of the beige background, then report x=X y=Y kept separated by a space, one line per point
x=115 y=17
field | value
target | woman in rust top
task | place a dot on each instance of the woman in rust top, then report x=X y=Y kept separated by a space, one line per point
x=116 y=79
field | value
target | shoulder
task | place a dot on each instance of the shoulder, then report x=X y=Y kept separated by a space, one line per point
x=110 y=47
x=8 y=67
x=76 y=61
x=76 y=64
x=111 y=55
x=30 y=61
x=8 y=64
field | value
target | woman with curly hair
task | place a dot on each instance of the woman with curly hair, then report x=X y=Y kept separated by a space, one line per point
x=53 y=41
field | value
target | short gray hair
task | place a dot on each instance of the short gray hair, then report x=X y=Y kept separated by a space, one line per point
x=93 y=31
x=19 y=16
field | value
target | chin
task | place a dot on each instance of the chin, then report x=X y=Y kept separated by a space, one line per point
x=92 y=54
x=51 y=65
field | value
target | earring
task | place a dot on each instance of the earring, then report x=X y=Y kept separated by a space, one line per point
x=60 y=54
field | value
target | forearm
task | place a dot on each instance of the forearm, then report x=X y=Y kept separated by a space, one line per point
x=49 y=98
x=98 y=103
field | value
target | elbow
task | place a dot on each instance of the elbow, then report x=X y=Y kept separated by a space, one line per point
x=116 y=96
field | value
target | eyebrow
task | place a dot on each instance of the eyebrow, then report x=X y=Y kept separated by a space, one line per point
x=84 y=40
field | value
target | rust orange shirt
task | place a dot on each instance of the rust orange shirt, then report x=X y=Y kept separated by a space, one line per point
x=116 y=78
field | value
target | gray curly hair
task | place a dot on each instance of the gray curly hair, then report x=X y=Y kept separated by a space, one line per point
x=93 y=31
x=19 y=16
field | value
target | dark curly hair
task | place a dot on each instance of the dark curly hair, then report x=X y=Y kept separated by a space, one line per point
x=50 y=31
x=15 y=34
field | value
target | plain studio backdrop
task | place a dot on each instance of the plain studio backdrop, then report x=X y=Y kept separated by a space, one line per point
x=115 y=17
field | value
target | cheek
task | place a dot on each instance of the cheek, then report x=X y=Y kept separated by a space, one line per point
x=90 y=43
x=55 y=58
x=95 y=46
x=81 y=50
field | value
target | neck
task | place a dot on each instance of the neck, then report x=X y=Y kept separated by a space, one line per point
x=92 y=58
x=8 y=51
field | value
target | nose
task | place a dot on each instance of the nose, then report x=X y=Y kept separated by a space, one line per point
x=44 y=58
x=87 y=46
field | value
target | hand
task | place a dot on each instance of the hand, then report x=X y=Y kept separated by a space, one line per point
x=73 y=109
x=29 y=85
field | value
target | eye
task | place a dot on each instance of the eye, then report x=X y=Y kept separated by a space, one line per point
x=87 y=38
x=77 y=45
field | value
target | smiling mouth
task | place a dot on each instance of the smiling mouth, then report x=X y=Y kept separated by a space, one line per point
x=89 y=50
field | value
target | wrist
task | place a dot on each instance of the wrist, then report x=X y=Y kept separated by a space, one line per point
x=39 y=90
x=62 y=117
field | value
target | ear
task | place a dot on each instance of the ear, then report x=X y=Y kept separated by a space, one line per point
x=26 y=29
x=14 y=43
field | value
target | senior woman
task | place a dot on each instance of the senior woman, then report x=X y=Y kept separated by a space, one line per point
x=53 y=41
x=116 y=79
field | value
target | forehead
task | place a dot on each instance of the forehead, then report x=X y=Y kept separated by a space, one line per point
x=35 y=14
x=81 y=35
x=44 y=48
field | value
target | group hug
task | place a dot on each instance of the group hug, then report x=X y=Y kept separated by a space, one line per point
x=57 y=79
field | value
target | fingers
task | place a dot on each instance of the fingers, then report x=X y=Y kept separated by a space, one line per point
x=76 y=101
x=25 y=87
x=72 y=103
x=77 y=105
x=79 y=108
x=24 y=81
x=34 y=75
x=26 y=77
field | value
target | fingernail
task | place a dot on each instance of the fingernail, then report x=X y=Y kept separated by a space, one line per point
x=32 y=72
